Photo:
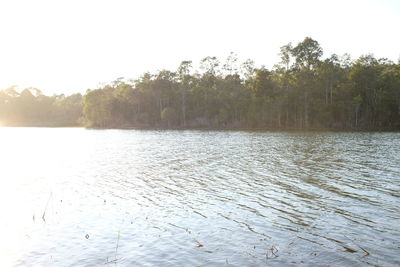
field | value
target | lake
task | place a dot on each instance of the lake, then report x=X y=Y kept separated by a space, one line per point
x=78 y=197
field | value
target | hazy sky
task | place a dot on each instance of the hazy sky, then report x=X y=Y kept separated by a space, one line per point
x=70 y=46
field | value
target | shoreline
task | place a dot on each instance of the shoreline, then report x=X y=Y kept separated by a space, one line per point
x=238 y=129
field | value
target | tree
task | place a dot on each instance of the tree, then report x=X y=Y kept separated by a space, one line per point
x=184 y=79
x=303 y=91
x=285 y=55
x=307 y=54
x=169 y=115
x=230 y=67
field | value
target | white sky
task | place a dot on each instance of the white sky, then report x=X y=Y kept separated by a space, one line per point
x=70 y=46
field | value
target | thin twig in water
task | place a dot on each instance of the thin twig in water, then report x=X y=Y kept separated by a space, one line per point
x=48 y=200
x=365 y=251
x=271 y=252
x=198 y=244
x=115 y=260
x=116 y=249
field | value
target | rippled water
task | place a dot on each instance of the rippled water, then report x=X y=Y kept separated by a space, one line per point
x=189 y=198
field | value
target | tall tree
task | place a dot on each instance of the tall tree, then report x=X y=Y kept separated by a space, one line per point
x=307 y=55
x=184 y=79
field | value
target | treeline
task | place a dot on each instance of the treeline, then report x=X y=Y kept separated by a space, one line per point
x=303 y=91
x=32 y=108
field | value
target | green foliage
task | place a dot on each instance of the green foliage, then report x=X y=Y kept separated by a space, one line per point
x=223 y=116
x=32 y=108
x=303 y=91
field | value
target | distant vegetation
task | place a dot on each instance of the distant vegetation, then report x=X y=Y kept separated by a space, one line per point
x=32 y=108
x=300 y=92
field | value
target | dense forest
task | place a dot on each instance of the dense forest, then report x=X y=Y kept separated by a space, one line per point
x=303 y=91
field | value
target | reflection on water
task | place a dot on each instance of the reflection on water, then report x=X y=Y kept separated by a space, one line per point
x=198 y=198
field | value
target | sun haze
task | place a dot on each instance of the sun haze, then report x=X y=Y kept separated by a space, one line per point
x=70 y=46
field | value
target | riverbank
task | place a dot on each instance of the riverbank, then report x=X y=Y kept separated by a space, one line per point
x=208 y=128
x=42 y=125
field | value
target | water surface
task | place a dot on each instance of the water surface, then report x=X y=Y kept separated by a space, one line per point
x=190 y=198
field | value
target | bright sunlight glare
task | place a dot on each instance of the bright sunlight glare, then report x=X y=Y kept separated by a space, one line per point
x=68 y=47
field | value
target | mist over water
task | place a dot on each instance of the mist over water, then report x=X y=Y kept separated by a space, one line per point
x=189 y=198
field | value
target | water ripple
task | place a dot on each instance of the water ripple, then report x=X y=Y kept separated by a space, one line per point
x=200 y=197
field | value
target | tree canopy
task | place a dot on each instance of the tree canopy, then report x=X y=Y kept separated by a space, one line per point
x=303 y=91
